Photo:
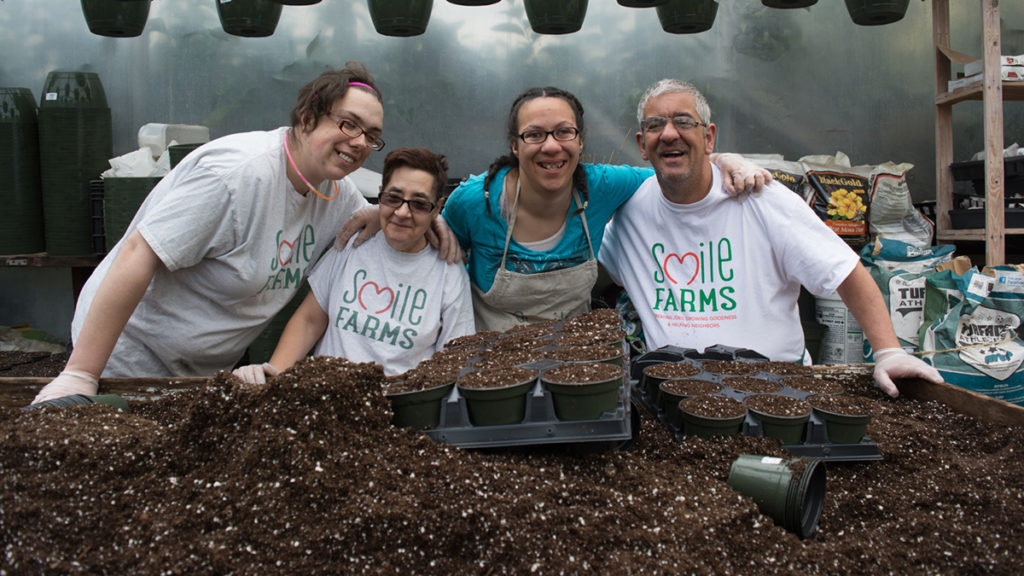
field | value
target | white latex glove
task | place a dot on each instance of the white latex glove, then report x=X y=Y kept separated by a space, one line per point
x=891 y=363
x=67 y=383
x=741 y=176
x=256 y=373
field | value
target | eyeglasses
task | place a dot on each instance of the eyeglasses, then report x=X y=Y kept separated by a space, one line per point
x=353 y=130
x=655 y=124
x=563 y=134
x=417 y=205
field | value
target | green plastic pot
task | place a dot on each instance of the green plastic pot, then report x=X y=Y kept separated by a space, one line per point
x=788 y=429
x=249 y=18
x=497 y=406
x=177 y=152
x=707 y=426
x=297 y=2
x=116 y=18
x=556 y=16
x=583 y=400
x=792 y=500
x=668 y=400
x=400 y=18
x=789 y=3
x=419 y=409
x=843 y=428
x=641 y=3
x=474 y=2
x=121 y=200
x=687 y=16
x=876 y=12
x=81 y=400
x=21 y=222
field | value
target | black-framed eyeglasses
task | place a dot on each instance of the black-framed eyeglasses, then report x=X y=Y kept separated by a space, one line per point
x=655 y=124
x=562 y=134
x=418 y=205
x=353 y=130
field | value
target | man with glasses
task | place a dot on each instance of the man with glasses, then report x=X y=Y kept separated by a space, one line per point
x=391 y=300
x=705 y=268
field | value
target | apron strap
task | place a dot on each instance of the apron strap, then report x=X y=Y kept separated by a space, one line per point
x=515 y=211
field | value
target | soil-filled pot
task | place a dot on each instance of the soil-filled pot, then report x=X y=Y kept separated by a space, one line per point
x=782 y=417
x=687 y=16
x=606 y=354
x=655 y=374
x=249 y=18
x=642 y=3
x=556 y=16
x=583 y=391
x=497 y=396
x=751 y=385
x=789 y=3
x=791 y=492
x=80 y=400
x=876 y=12
x=116 y=18
x=706 y=416
x=672 y=392
x=418 y=408
x=121 y=200
x=846 y=417
x=400 y=17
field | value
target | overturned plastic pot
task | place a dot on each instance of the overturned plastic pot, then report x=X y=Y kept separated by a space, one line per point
x=556 y=16
x=791 y=492
x=583 y=391
x=400 y=18
x=249 y=18
x=687 y=16
x=876 y=12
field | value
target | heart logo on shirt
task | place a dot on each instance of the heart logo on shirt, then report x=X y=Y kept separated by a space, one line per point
x=285 y=252
x=682 y=261
x=377 y=297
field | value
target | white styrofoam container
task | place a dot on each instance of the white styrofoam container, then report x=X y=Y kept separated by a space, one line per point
x=158 y=136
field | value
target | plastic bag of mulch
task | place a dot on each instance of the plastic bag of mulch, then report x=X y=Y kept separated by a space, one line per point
x=901 y=270
x=977 y=345
x=838 y=193
x=893 y=215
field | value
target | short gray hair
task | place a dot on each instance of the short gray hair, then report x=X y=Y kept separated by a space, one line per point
x=670 y=85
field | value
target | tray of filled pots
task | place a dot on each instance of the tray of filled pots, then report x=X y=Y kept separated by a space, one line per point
x=725 y=390
x=557 y=382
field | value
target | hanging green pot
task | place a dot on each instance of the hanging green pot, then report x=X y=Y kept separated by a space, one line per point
x=876 y=12
x=556 y=16
x=474 y=2
x=418 y=409
x=249 y=18
x=21 y=222
x=791 y=492
x=687 y=16
x=789 y=3
x=297 y=2
x=641 y=3
x=116 y=18
x=400 y=17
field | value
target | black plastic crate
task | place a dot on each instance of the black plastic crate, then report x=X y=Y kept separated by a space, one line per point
x=974 y=171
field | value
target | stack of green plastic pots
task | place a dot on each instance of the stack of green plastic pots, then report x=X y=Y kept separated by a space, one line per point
x=75 y=146
x=21 y=221
x=121 y=200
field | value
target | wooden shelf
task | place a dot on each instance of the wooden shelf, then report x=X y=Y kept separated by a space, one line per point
x=44 y=260
x=1011 y=91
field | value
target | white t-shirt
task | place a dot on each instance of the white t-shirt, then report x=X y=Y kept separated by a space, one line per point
x=723 y=270
x=390 y=307
x=236 y=241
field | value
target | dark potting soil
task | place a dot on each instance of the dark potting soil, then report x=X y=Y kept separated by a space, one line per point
x=785 y=368
x=668 y=370
x=844 y=404
x=689 y=387
x=496 y=377
x=474 y=340
x=813 y=385
x=590 y=338
x=583 y=353
x=756 y=385
x=31 y=364
x=777 y=405
x=713 y=406
x=306 y=476
x=501 y=358
x=582 y=373
x=729 y=367
x=598 y=320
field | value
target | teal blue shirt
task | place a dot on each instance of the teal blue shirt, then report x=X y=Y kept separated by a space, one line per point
x=482 y=234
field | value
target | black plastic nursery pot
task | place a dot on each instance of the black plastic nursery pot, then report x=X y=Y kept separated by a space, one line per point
x=473 y=2
x=876 y=12
x=297 y=2
x=642 y=3
x=791 y=492
x=418 y=409
x=116 y=18
x=687 y=16
x=400 y=17
x=556 y=16
x=789 y=3
x=249 y=18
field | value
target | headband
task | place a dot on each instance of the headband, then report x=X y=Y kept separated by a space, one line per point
x=364 y=85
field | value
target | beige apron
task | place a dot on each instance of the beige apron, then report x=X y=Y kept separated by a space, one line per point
x=517 y=298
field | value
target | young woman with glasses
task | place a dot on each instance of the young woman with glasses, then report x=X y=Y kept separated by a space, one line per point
x=224 y=241
x=391 y=300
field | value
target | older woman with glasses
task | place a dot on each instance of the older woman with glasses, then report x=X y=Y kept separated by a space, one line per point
x=224 y=241
x=392 y=300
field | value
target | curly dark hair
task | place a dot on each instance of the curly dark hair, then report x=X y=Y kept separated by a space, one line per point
x=579 y=176
x=318 y=96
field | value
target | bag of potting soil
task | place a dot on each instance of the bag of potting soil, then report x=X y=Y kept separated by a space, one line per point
x=838 y=193
x=949 y=285
x=900 y=270
x=893 y=215
x=977 y=345
x=786 y=172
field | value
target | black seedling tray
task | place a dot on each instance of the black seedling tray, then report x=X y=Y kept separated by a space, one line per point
x=815 y=443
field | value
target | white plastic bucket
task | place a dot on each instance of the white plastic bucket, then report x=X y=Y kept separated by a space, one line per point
x=843 y=342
